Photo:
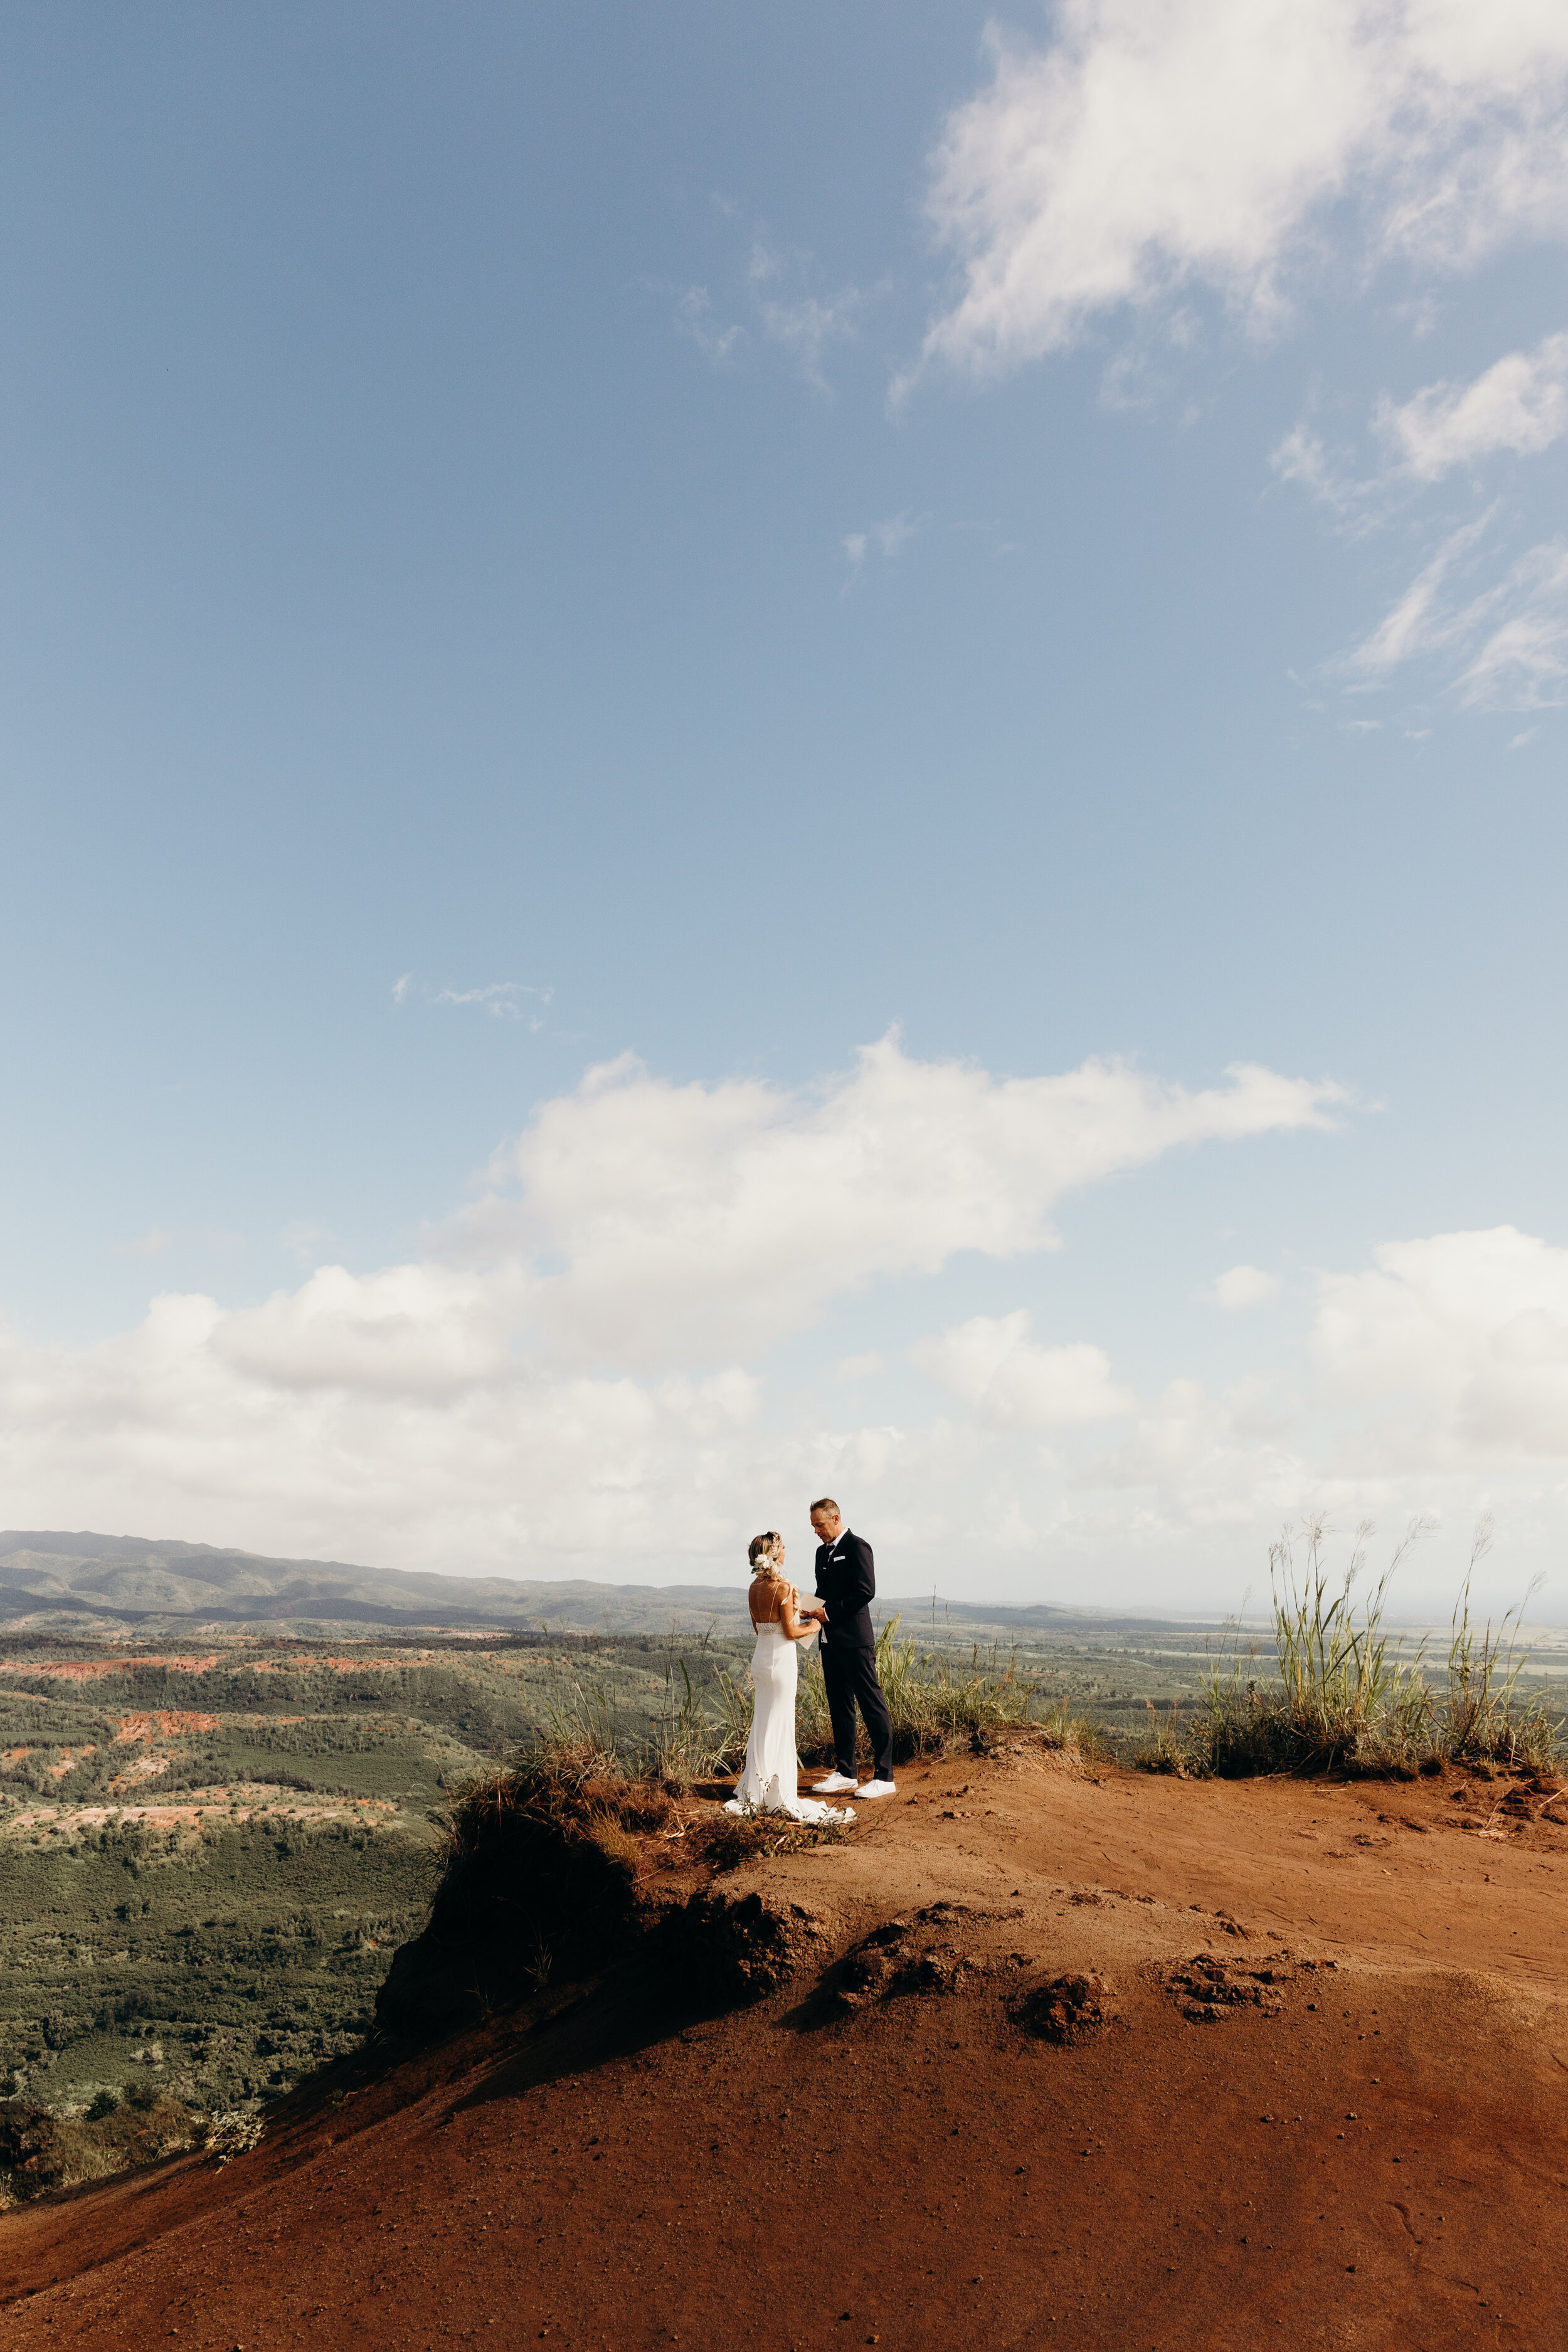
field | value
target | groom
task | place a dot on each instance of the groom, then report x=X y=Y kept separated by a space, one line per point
x=847 y=1584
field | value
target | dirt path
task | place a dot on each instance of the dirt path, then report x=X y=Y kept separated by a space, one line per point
x=1369 y=2154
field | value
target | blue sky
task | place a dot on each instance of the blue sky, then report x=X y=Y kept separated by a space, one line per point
x=534 y=537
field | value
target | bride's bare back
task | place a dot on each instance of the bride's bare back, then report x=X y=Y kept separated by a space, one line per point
x=771 y=1600
x=774 y=1603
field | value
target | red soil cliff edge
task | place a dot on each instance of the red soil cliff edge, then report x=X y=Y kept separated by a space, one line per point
x=1068 y=2058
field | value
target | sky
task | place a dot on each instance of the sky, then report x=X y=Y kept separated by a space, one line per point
x=754 y=752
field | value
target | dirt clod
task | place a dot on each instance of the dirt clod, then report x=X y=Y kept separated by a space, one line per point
x=1070 y=2010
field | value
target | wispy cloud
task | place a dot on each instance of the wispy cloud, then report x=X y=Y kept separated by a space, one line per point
x=1521 y=663
x=1506 y=648
x=694 y=313
x=781 y=303
x=501 y=999
x=803 y=323
x=1419 y=622
x=886 y=540
x=1358 y=501
x=1518 y=406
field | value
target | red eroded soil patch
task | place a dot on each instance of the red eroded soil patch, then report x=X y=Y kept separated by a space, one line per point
x=85 y=1670
x=163 y=1723
x=1324 y=2105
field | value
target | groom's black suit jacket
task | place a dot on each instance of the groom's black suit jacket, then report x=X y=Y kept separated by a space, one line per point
x=846 y=1582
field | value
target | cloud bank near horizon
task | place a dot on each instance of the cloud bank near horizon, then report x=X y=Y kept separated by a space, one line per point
x=580 y=1373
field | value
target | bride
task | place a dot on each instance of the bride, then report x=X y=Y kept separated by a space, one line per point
x=772 y=1774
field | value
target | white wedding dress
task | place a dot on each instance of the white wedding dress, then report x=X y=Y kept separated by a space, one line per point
x=772 y=1773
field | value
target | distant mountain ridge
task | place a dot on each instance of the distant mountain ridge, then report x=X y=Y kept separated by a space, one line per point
x=87 y=1580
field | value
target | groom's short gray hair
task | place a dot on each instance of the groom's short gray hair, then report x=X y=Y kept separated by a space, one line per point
x=827 y=1503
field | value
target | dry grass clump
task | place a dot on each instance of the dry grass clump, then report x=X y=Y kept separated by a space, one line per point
x=1344 y=1695
x=736 y=1838
x=688 y=1741
x=554 y=1837
x=40 y=2151
x=1484 y=1717
x=936 y=1704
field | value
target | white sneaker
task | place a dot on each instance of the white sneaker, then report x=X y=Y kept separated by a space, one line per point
x=833 y=1785
x=878 y=1788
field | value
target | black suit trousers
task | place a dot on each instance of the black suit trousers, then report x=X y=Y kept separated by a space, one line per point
x=849 y=1671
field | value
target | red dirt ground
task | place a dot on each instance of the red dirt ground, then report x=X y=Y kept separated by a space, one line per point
x=1383 y=2163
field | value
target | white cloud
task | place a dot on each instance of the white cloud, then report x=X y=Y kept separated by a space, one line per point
x=372 y=1427
x=1226 y=143
x=699 y=1222
x=857 y=1368
x=1461 y=1340
x=1506 y=648
x=400 y=1417
x=1521 y=403
x=1439 y=1384
x=1518 y=405
x=1419 y=622
x=1243 y=1286
x=517 y=1397
x=992 y=1365
x=1198 y=1463
x=1521 y=660
x=411 y=1330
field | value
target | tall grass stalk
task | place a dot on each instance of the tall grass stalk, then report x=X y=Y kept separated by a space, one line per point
x=1484 y=1716
x=1345 y=1693
x=1343 y=1682
x=688 y=1742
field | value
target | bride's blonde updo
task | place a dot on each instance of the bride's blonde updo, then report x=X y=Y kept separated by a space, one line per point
x=766 y=1553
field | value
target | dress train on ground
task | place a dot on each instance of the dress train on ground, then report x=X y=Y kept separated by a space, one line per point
x=772 y=1773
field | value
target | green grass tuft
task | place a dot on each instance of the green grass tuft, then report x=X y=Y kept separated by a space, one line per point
x=1344 y=1695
